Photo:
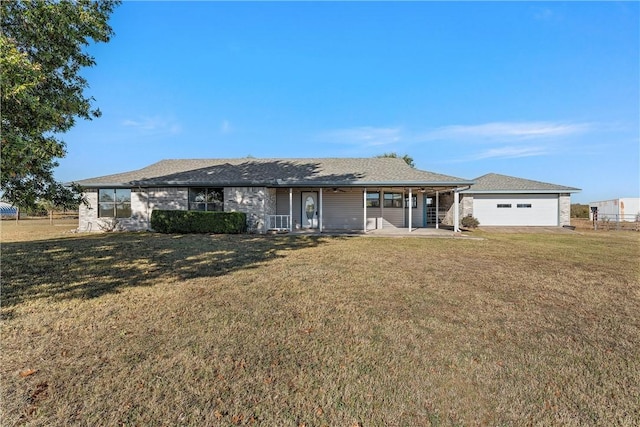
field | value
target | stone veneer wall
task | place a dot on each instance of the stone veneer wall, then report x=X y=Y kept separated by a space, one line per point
x=88 y=220
x=564 y=204
x=446 y=204
x=256 y=202
x=466 y=205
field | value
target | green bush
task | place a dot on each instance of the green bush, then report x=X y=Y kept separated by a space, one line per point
x=470 y=222
x=173 y=221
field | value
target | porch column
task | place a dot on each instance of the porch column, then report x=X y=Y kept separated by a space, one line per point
x=437 y=209
x=290 y=209
x=381 y=207
x=404 y=205
x=456 y=211
x=364 y=210
x=320 y=212
x=410 y=207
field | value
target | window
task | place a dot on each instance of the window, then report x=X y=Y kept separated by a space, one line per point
x=373 y=200
x=414 y=201
x=392 y=200
x=114 y=203
x=504 y=205
x=524 y=205
x=206 y=199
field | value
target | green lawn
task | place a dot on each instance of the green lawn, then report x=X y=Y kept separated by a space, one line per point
x=149 y=329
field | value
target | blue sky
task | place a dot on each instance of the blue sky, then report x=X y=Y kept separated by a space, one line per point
x=545 y=91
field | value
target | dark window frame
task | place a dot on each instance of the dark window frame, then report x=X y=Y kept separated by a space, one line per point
x=114 y=203
x=394 y=201
x=503 y=205
x=373 y=202
x=207 y=199
x=524 y=205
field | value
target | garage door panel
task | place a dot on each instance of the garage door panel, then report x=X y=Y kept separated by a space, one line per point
x=516 y=209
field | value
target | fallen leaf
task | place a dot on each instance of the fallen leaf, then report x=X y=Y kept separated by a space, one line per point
x=27 y=372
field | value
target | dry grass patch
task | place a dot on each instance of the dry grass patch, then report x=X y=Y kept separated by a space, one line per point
x=139 y=329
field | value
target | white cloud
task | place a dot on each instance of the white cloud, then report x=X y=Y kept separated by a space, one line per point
x=153 y=125
x=506 y=131
x=511 y=152
x=365 y=136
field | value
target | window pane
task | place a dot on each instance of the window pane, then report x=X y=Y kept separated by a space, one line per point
x=123 y=210
x=106 y=195
x=392 y=200
x=123 y=195
x=197 y=206
x=373 y=200
x=105 y=210
x=197 y=195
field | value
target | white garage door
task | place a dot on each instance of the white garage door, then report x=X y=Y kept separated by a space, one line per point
x=516 y=209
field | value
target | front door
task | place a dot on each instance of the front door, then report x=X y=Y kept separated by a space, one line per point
x=309 y=209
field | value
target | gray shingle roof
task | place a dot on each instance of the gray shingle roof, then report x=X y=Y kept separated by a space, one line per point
x=276 y=173
x=496 y=183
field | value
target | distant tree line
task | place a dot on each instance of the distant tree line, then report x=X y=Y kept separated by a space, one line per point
x=579 y=211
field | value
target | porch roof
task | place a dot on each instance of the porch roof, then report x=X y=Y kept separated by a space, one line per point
x=319 y=172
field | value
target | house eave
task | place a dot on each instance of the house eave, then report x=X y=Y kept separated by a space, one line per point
x=277 y=184
x=557 y=191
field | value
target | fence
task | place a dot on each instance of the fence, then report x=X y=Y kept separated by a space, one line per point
x=610 y=222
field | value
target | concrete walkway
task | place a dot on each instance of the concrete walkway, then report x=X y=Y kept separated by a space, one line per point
x=388 y=232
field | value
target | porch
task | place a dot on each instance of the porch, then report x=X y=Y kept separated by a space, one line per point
x=378 y=210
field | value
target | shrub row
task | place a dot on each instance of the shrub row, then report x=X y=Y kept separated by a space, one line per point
x=172 y=221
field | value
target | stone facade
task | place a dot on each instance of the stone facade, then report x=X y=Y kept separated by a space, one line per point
x=89 y=221
x=466 y=205
x=564 y=203
x=256 y=202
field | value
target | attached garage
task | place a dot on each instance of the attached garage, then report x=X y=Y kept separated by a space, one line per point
x=516 y=209
x=501 y=200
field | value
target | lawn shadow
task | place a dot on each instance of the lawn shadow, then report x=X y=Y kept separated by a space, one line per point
x=89 y=266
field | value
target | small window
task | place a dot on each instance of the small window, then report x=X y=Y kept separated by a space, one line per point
x=414 y=201
x=114 y=203
x=524 y=205
x=504 y=205
x=392 y=200
x=206 y=199
x=373 y=200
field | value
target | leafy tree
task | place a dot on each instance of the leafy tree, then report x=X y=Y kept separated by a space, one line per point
x=407 y=158
x=41 y=55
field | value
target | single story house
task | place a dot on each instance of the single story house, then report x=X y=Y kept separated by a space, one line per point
x=501 y=200
x=287 y=194
x=277 y=194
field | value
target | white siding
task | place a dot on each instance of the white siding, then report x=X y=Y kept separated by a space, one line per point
x=543 y=210
x=343 y=210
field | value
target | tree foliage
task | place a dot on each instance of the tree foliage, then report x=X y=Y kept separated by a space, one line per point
x=579 y=211
x=41 y=55
x=407 y=158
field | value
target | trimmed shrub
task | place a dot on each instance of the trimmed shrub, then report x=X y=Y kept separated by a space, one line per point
x=470 y=222
x=173 y=221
